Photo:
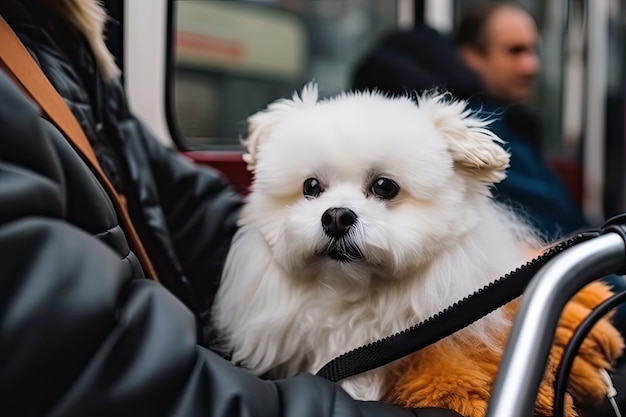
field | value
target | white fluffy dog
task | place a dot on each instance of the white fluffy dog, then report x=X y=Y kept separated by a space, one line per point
x=367 y=215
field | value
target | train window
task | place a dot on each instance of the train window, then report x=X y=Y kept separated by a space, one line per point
x=231 y=58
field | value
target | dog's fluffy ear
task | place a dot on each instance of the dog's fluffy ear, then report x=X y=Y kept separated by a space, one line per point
x=474 y=148
x=261 y=124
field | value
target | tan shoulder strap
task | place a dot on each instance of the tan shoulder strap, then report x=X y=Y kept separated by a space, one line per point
x=25 y=70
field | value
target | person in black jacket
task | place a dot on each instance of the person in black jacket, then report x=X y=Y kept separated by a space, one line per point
x=81 y=333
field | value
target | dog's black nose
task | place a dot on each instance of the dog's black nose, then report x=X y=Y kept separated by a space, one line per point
x=337 y=220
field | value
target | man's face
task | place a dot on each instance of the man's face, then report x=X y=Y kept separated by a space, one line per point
x=509 y=64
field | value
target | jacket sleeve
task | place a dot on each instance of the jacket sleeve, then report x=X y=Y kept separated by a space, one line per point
x=201 y=210
x=78 y=337
x=199 y=206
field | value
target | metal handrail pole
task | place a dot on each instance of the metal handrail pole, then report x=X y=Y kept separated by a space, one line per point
x=523 y=364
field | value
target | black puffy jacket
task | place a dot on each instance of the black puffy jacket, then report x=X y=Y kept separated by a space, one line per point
x=185 y=217
x=81 y=334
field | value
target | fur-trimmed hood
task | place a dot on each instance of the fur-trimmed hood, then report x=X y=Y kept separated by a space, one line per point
x=89 y=17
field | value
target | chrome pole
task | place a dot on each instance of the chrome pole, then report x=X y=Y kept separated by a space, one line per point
x=596 y=81
x=523 y=364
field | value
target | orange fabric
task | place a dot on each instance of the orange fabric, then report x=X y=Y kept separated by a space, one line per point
x=21 y=66
x=458 y=374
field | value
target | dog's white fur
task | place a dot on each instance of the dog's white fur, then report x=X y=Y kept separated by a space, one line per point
x=284 y=306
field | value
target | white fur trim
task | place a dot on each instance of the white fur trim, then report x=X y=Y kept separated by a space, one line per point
x=89 y=17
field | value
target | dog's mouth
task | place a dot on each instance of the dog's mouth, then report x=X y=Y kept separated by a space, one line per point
x=343 y=250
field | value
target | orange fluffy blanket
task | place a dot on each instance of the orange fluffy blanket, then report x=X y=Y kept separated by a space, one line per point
x=459 y=374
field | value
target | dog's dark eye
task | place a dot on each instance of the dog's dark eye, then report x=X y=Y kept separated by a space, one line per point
x=385 y=188
x=311 y=187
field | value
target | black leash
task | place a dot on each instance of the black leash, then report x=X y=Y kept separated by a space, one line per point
x=447 y=322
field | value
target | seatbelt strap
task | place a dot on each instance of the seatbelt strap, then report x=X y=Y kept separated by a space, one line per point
x=29 y=75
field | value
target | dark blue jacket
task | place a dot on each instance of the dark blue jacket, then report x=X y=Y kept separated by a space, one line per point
x=531 y=188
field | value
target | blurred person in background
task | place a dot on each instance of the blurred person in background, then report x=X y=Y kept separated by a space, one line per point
x=499 y=42
x=493 y=63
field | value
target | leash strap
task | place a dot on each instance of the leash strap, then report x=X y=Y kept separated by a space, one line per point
x=21 y=65
x=454 y=318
